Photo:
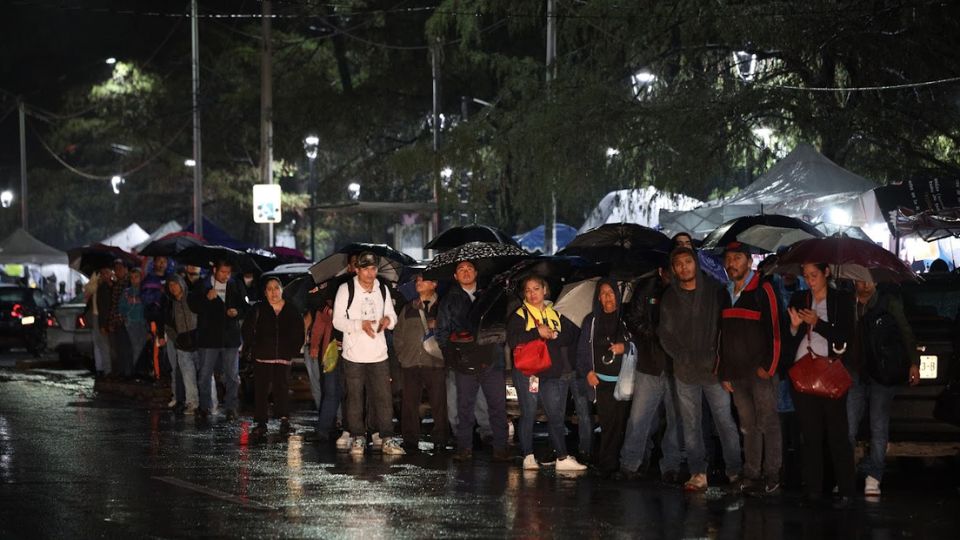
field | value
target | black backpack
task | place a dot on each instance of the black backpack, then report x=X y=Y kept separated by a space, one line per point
x=885 y=352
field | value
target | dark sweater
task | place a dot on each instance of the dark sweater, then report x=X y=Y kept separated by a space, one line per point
x=215 y=330
x=273 y=336
x=838 y=331
x=642 y=320
x=750 y=332
x=561 y=355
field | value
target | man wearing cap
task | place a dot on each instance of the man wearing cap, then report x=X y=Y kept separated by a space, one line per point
x=363 y=311
x=749 y=352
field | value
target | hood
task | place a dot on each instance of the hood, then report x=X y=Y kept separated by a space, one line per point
x=597 y=308
x=700 y=277
x=177 y=278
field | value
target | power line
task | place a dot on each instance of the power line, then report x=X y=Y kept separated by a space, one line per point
x=864 y=88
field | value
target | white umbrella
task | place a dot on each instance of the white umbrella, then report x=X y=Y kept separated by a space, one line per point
x=770 y=238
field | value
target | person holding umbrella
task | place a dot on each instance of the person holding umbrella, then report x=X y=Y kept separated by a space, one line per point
x=536 y=319
x=363 y=317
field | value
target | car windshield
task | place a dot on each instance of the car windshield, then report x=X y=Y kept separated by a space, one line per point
x=932 y=300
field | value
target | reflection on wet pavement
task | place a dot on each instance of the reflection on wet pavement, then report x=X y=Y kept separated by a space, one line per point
x=73 y=465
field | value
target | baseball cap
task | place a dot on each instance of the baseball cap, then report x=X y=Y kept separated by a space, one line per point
x=367 y=258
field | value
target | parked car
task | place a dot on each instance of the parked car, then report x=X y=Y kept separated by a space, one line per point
x=25 y=315
x=70 y=334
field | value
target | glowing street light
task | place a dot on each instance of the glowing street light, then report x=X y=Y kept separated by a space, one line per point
x=115 y=183
x=354 y=190
x=311 y=143
x=190 y=163
x=6 y=198
x=642 y=81
x=111 y=61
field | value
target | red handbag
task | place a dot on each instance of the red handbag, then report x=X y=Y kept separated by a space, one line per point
x=820 y=376
x=532 y=357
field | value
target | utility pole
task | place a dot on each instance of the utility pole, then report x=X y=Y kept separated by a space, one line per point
x=23 y=165
x=549 y=227
x=266 y=108
x=198 y=164
x=435 y=73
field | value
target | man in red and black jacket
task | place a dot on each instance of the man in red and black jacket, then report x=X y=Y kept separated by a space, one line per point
x=749 y=351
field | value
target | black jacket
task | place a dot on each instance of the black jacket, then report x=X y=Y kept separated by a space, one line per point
x=453 y=314
x=838 y=331
x=273 y=336
x=560 y=349
x=750 y=332
x=215 y=330
x=642 y=319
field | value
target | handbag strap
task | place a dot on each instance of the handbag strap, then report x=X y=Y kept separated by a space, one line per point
x=423 y=320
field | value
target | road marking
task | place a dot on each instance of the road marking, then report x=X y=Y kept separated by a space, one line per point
x=249 y=503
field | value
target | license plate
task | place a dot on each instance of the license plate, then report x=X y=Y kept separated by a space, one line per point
x=29 y=319
x=928 y=366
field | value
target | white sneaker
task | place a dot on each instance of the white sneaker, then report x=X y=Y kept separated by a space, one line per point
x=570 y=463
x=511 y=431
x=358 y=446
x=343 y=443
x=530 y=463
x=172 y=404
x=392 y=447
x=872 y=487
x=191 y=408
x=377 y=442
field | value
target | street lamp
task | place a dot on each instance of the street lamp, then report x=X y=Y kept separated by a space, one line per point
x=6 y=198
x=115 y=183
x=354 y=190
x=311 y=145
x=190 y=163
x=642 y=81
x=111 y=61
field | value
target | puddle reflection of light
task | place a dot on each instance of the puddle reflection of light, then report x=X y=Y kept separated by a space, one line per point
x=6 y=457
x=243 y=472
x=294 y=474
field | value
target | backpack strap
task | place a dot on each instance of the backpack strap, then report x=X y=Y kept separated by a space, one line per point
x=351 y=292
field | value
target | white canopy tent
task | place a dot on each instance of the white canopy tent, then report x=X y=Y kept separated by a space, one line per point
x=22 y=248
x=641 y=205
x=802 y=184
x=128 y=238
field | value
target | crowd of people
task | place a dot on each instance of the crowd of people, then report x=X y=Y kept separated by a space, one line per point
x=687 y=363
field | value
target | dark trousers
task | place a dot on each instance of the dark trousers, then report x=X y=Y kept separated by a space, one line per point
x=415 y=380
x=613 y=424
x=756 y=401
x=824 y=419
x=492 y=383
x=267 y=377
x=375 y=379
x=120 y=353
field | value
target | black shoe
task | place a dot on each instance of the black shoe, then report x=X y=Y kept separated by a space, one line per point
x=628 y=474
x=259 y=432
x=202 y=414
x=843 y=502
x=230 y=416
x=286 y=428
x=771 y=487
x=502 y=455
x=671 y=477
x=179 y=409
x=751 y=486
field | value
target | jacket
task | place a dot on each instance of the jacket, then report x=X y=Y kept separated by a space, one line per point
x=586 y=348
x=273 y=336
x=409 y=333
x=750 y=332
x=838 y=331
x=453 y=314
x=562 y=349
x=214 y=329
x=689 y=329
x=642 y=319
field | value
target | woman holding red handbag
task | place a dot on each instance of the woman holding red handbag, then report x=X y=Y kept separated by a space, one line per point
x=822 y=324
x=541 y=339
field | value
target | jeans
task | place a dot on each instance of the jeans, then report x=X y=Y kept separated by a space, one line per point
x=177 y=385
x=672 y=443
x=689 y=399
x=553 y=395
x=315 y=373
x=648 y=393
x=480 y=412
x=187 y=364
x=581 y=402
x=101 y=347
x=528 y=411
x=225 y=361
x=374 y=377
x=331 y=395
x=494 y=390
x=756 y=401
x=137 y=334
x=880 y=397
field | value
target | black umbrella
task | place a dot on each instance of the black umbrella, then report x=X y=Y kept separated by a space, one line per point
x=171 y=244
x=489 y=259
x=392 y=262
x=207 y=256
x=265 y=260
x=557 y=270
x=458 y=236
x=729 y=231
x=629 y=249
x=89 y=259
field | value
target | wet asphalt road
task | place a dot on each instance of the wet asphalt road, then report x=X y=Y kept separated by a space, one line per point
x=76 y=465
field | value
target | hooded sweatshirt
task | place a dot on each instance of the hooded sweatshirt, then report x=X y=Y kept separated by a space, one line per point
x=599 y=330
x=688 y=330
x=179 y=318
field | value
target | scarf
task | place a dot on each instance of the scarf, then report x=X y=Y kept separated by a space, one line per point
x=535 y=317
x=322 y=327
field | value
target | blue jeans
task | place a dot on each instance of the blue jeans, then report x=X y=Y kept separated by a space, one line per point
x=863 y=391
x=331 y=397
x=689 y=400
x=648 y=393
x=495 y=391
x=528 y=411
x=225 y=361
x=315 y=374
x=581 y=402
x=553 y=395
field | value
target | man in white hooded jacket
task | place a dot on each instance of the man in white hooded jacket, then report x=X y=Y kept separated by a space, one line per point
x=363 y=311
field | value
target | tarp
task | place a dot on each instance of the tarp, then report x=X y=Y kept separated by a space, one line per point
x=128 y=238
x=169 y=227
x=928 y=207
x=534 y=240
x=215 y=236
x=802 y=184
x=20 y=247
x=641 y=205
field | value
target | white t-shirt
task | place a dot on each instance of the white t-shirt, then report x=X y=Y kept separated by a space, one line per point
x=367 y=306
x=815 y=341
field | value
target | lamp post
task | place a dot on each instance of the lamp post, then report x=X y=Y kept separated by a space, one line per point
x=6 y=198
x=311 y=144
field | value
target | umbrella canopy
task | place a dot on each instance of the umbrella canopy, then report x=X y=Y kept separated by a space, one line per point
x=557 y=270
x=171 y=244
x=851 y=259
x=458 y=236
x=729 y=231
x=489 y=259
x=392 y=262
x=288 y=255
x=769 y=239
x=266 y=260
x=207 y=256
x=89 y=259
x=630 y=250
x=576 y=299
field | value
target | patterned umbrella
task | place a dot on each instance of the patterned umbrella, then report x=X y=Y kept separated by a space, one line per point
x=458 y=236
x=489 y=259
